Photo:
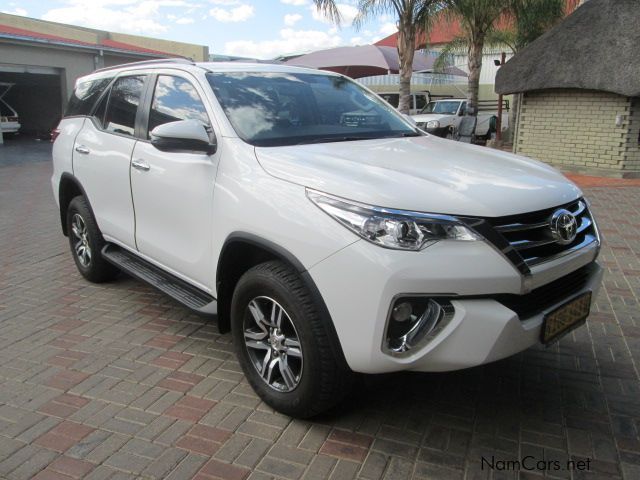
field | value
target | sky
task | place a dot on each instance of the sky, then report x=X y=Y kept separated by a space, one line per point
x=251 y=28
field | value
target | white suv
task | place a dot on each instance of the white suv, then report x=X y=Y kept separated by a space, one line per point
x=324 y=230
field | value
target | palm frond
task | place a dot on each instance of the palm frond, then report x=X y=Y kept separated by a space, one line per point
x=456 y=46
x=500 y=38
x=329 y=8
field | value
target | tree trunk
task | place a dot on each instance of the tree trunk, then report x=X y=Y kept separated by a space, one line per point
x=406 y=50
x=475 y=66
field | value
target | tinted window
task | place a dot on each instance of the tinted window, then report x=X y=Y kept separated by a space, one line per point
x=123 y=105
x=421 y=101
x=85 y=95
x=271 y=109
x=175 y=99
x=101 y=109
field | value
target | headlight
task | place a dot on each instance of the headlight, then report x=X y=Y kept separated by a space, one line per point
x=395 y=229
x=433 y=124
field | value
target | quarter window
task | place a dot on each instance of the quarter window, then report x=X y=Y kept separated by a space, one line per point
x=84 y=96
x=175 y=99
x=123 y=105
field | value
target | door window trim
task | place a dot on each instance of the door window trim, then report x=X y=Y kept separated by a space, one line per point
x=107 y=92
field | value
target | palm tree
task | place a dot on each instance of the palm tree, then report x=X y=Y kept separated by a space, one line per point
x=477 y=19
x=412 y=16
x=529 y=18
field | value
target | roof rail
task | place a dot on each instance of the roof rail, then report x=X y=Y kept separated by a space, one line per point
x=184 y=61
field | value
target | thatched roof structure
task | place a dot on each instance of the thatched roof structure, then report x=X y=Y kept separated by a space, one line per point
x=596 y=48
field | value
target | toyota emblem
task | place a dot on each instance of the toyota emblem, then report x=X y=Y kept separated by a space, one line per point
x=564 y=226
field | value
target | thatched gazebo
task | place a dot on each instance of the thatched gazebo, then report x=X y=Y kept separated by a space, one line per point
x=580 y=86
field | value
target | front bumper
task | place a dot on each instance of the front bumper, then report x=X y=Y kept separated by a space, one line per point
x=439 y=132
x=359 y=282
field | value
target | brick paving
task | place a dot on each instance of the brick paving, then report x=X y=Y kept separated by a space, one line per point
x=118 y=381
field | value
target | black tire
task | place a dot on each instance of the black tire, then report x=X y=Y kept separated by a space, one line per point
x=92 y=266
x=324 y=377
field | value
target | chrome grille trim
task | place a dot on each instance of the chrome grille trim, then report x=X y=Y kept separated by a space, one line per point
x=530 y=234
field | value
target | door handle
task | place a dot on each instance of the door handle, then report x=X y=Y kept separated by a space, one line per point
x=140 y=165
x=82 y=149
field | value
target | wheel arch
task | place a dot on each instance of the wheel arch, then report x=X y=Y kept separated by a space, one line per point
x=69 y=188
x=240 y=252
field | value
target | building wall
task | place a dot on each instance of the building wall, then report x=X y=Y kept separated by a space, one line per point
x=199 y=53
x=575 y=130
x=632 y=139
x=72 y=64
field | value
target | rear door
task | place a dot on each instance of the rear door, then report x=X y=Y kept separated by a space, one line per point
x=102 y=156
x=173 y=191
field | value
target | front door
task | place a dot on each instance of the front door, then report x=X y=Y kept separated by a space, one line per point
x=102 y=154
x=173 y=192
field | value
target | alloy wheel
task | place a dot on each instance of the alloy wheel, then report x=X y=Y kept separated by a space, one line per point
x=81 y=244
x=273 y=344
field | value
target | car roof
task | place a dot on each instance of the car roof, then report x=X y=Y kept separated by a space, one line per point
x=187 y=65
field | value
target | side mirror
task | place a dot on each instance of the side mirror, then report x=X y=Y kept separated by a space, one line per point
x=189 y=136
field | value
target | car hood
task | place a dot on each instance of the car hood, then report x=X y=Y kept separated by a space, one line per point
x=427 y=117
x=426 y=174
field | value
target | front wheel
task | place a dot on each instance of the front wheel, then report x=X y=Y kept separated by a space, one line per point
x=284 y=344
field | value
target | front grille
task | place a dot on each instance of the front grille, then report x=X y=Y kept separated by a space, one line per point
x=548 y=295
x=530 y=234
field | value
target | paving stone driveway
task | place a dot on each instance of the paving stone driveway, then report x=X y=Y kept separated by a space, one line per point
x=119 y=381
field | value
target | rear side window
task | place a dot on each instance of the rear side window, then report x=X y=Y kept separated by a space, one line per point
x=175 y=99
x=124 y=99
x=85 y=95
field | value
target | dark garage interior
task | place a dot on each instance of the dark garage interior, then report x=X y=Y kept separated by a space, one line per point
x=37 y=98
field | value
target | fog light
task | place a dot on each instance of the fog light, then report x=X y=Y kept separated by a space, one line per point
x=402 y=312
x=414 y=321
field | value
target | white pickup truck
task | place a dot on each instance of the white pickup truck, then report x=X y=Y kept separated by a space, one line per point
x=443 y=117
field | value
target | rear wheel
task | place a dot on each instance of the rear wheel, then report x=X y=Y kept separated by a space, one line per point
x=283 y=342
x=86 y=243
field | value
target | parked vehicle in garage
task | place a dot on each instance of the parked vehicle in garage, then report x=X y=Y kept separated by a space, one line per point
x=9 y=121
x=328 y=233
x=443 y=117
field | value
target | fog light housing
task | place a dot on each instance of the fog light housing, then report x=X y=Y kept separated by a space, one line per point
x=413 y=322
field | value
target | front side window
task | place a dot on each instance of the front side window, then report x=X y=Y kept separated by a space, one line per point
x=275 y=108
x=122 y=108
x=175 y=99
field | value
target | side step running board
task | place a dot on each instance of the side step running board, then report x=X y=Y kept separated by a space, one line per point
x=173 y=286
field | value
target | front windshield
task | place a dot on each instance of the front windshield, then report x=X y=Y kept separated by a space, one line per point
x=276 y=108
x=444 y=108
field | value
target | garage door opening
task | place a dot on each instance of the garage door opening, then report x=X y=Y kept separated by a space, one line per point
x=35 y=97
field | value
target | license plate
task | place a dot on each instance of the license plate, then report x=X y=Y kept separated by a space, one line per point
x=565 y=318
